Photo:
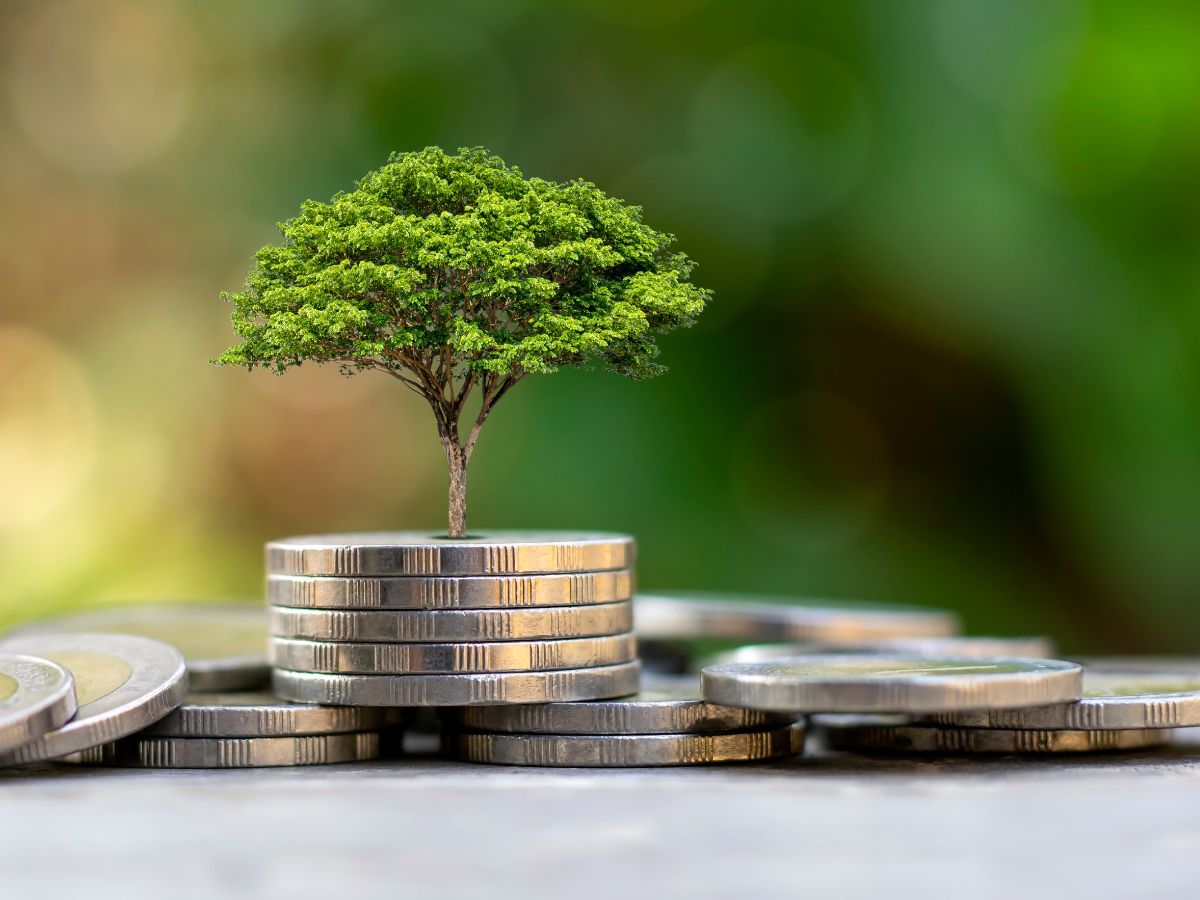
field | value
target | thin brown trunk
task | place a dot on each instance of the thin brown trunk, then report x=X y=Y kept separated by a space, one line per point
x=456 y=461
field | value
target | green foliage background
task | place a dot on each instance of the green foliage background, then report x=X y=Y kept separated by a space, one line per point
x=954 y=356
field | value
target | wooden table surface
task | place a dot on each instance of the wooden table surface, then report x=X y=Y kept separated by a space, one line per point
x=1124 y=825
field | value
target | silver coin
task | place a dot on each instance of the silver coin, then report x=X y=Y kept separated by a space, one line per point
x=435 y=659
x=1129 y=696
x=664 y=705
x=956 y=647
x=416 y=626
x=232 y=753
x=225 y=644
x=890 y=684
x=623 y=751
x=936 y=739
x=422 y=553
x=450 y=592
x=123 y=684
x=36 y=696
x=262 y=715
x=457 y=690
x=700 y=615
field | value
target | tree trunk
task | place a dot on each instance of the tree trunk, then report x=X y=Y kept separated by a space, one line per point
x=456 y=460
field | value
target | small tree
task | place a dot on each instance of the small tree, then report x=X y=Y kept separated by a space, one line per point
x=458 y=276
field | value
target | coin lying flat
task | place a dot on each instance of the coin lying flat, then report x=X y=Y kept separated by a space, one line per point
x=36 y=696
x=421 y=553
x=955 y=647
x=415 y=626
x=1143 y=697
x=664 y=705
x=698 y=614
x=262 y=715
x=224 y=643
x=454 y=592
x=621 y=751
x=936 y=739
x=890 y=684
x=457 y=690
x=123 y=684
x=232 y=753
x=420 y=659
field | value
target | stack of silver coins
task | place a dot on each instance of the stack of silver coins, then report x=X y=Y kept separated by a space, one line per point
x=665 y=724
x=411 y=619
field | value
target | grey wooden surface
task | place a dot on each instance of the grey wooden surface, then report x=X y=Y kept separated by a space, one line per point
x=1123 y=826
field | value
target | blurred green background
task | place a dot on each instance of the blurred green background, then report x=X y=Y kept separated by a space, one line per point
x=954 y=357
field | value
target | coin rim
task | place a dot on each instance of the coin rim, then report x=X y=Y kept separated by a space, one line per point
x=151 y=752
x=450 y=625
x=156 y=685
x=39 y=705
x=496 y=688
x=737 y=684
x=646 y=750
x=335 y=658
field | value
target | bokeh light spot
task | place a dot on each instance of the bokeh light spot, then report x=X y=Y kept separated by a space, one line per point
x=101 y=85
x=47 y=428
x=1084 y=121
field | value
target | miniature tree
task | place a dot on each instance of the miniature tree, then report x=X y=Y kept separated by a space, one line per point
x=459 y=277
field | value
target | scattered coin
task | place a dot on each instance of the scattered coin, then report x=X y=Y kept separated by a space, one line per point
x=263 y=715
x=441 y=592
x=123 y=684
x=890 y=684
x=420 y=553
x=1130 y=696
x=700 y=615
x=955 y=647
x=619 y=751
x=937 y=739
x=664 y=705
x=452 y=625
x=457 y=690
x=421 y=659
x=225 y=644
x=232 y=753
x=36 y=696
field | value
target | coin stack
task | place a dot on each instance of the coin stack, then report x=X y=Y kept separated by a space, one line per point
x=410 y=619
x=246 y=730
x=666 y=724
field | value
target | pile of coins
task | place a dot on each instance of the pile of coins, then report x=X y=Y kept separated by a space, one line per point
x=413 y=620
x=665 y=724
x=520 y=649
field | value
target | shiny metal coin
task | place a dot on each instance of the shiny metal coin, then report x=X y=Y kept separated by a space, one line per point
x=123 y=684
x=421 y=659
x=623 y=751
x=664 y=705
x=935 y=739
x=443 y=592
x=698 y=614
x=1128 y=696
x=232 y=753
x=414 y=626
x=423 y=553
x=36 y=696
x=954 y=647
x=263 y=715
x=225 y=644
x=457 y=690
x=890 y=684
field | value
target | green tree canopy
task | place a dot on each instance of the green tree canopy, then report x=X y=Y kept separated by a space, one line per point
x=458 y=276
